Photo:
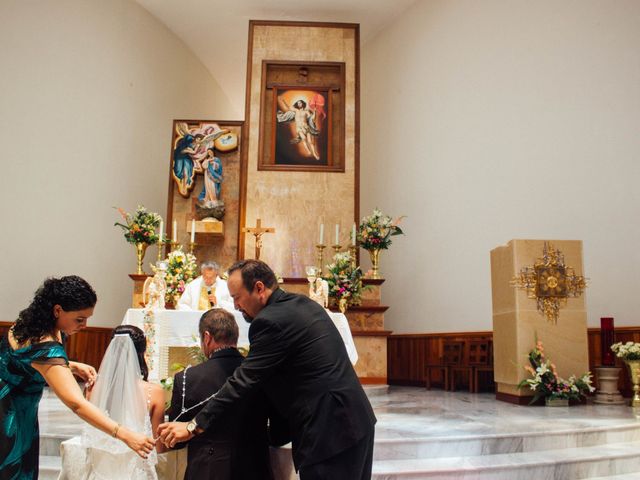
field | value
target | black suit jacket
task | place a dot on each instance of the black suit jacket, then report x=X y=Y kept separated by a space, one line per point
x=238 y=447
x=299 y=360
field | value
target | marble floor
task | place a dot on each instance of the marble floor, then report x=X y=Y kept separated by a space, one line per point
x=446 y=435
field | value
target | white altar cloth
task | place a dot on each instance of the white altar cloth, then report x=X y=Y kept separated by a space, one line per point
x=179 y=328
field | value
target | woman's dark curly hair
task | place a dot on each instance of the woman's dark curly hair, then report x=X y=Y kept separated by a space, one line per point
x=139 y=341
x=37 y=320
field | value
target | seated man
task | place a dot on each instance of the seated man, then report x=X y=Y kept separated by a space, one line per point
x=206 y=291
x=237 y=449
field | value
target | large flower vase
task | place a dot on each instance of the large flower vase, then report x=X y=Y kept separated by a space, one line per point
x=556 y=402
x=375 y=263
x=171 y=302
x=634 y=371
x=141 y=249
x=343 y=303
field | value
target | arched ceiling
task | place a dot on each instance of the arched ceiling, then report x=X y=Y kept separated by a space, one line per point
x=217 y=31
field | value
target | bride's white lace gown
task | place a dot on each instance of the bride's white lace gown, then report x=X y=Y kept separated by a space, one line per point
x=122 y=394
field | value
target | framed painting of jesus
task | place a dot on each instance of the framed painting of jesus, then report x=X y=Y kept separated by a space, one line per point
x=302 y=116
x=303 y=126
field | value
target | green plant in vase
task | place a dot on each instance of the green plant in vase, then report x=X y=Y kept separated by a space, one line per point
x=546 y=383
x=181 y=269
x=374 y=235
x=345 y=281
x=140 y=230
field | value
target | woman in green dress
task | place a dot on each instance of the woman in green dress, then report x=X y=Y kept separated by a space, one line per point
x=32 y=354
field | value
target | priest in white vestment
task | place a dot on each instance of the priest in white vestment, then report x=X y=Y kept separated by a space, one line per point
x=206 y=291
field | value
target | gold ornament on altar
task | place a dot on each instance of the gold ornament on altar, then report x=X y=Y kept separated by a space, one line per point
x=550 y=282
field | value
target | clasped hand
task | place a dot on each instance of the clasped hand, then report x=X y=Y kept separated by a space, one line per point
x=84 y=371
x=172 y=433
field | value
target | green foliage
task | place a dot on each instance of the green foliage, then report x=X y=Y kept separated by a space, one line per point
x=376 y=230
x=141 y=226
x=546 y=383
x=345 y=282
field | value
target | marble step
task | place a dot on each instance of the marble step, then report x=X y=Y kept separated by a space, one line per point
x=566 y=463
x=50 y=443
x=376 y=390
x=50 y=467
x=626 y=476
x=470 y=445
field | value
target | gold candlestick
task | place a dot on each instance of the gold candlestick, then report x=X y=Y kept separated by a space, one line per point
x=320 y=258
x=336 y=248
x=353 y=250
x=192 y=245
x=160 y=246
x=173 y=245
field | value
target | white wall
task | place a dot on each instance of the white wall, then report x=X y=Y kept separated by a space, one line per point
x=88 y=92
x=489 y=120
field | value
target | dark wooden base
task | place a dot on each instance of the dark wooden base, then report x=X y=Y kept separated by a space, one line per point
x=516 y=399
x=373 y=380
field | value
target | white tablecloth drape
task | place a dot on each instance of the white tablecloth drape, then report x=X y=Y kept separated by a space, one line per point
x=179 y=328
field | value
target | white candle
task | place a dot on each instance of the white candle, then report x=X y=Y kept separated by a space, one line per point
x=353 y=234
x=193 y=230
x=322 y=234
x=337 y=234
x=160 y=233
x=175 y=231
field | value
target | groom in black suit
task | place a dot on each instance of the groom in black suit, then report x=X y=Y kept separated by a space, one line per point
x=238 y=448
x=299 y=360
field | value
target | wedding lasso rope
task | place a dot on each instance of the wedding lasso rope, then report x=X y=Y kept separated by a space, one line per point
x=184 y=410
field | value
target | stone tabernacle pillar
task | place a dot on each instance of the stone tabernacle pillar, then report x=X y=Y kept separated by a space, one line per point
x=517 y=323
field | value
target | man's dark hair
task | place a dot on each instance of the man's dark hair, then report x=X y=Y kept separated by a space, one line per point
x=253 y=271
x=221 y=325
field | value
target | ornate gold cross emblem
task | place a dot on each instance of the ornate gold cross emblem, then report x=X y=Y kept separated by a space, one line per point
x=550 y=282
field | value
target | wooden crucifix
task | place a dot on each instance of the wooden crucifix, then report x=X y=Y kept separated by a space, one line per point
x=257 y=232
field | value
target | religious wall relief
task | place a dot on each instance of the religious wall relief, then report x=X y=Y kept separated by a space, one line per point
x=204 y=186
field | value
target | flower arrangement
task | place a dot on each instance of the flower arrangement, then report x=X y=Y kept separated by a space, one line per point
x=141 y=226
x=181 y=269
x=376 y=230
x=167 y=383
x=546 y=382
x=626 y=351
x=345 y=281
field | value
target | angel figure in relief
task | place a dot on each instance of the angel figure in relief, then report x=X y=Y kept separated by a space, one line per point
x=319 y=291
x=191 y=147
x=155 y=288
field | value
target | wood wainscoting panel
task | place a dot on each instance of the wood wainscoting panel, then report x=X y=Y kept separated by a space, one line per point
x=408 y=354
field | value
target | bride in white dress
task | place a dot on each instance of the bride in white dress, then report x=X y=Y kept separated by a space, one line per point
x=123 y=393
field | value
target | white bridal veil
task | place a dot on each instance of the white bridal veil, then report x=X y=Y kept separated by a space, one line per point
x=120 y=393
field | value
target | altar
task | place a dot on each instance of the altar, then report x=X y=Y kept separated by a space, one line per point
x=175 y=332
